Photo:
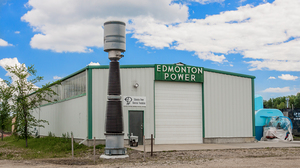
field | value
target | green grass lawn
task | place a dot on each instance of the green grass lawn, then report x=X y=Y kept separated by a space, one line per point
x=46 y=147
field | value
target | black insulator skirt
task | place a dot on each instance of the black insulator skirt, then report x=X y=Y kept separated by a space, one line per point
x=114 y=83
x=114 y=117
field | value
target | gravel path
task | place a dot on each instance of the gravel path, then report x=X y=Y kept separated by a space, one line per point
x=266 y=157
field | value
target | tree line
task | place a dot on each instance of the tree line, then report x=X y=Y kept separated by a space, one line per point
x=281 y=102
x=19 y=96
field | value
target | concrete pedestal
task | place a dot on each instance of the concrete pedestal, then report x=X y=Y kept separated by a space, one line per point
x=113 y=156
x=114 y=144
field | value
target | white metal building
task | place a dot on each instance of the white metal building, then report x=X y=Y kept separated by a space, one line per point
x=178 y=104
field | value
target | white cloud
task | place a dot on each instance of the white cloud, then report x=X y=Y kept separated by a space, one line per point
x=268 y=33
x=12 y=62
x=212 y=57
x=275 y=65
x=4 y=43
x=277 y=90
x=271 y=77
x=78 y=25
x=17 y=32
x=288 y=77
x=56 y=77
x=94 y=63
x=2 y=83
x=208 y=1
x=9 y=62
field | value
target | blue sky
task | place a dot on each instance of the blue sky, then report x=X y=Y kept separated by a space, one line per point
x=253 y=37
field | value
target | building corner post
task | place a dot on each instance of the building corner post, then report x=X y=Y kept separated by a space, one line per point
x=253 y=106
x=90 y=102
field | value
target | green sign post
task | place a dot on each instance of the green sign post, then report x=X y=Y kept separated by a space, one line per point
x=178 y=73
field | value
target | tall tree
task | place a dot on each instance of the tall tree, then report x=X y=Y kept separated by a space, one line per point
x=280 y=102
x=5 y=106
x=297 y=100
x=291 y=100
x=25 y=101
x=282 y=105
x=269 y=103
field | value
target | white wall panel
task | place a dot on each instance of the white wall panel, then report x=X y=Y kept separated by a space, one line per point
x=68 y=116
x=145 y=78
x=178 y=112
x=129 y=76
x=227 y=105
x=100 y=85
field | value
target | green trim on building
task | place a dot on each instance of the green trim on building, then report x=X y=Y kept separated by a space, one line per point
x=137 y=66
x=90 y=102
x=143 y=66
x=253 y=107
x=60 y=80
x=229 y=73
x=89 y=93
x=154 y=107
x=73 y=74
x=121 y=66
x=98 y=66
x=59 y=101
x=203 y=115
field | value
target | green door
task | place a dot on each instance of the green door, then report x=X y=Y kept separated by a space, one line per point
x=136 y=124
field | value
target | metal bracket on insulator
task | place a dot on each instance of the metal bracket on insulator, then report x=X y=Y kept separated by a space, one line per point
x=115 y=54
x=114 y=97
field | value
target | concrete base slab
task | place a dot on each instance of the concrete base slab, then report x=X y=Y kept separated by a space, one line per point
x=113 y=156
x=179 y=147
x=223 y=140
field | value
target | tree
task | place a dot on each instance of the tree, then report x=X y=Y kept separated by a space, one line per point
x=265 y=103
x=269 y=103
x=276 y=102
x=5 y=107
x=297 y=101
x=27 y=97
x=291 y=100
x=282 y=105
x=280 y=102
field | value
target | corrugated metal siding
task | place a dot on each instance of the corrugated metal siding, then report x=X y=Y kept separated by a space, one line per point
x=129 y=76
x=68 y=116
x=227 y=106
x=100 y=84
x=178 y=112
x=144 y=77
